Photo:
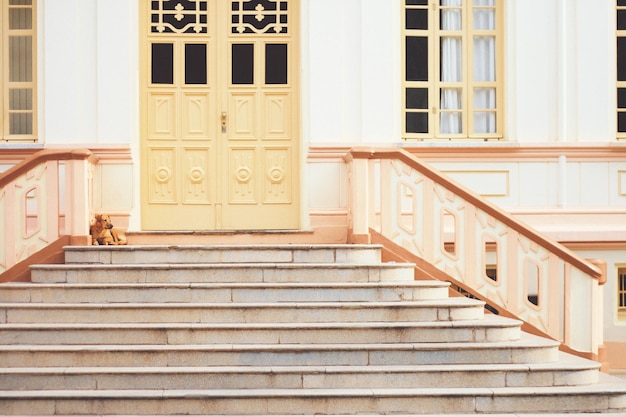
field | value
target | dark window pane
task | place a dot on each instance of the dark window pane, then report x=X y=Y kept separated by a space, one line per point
x=20 y=58
x=21 y=123
x=416 y=98
x=621 y=122
x=276 y=63
x=621 y=2
x=621 y=19
x=621 y=59
x=416 y=58
x=162 y=63
x=195 y=63
x=621 y=98
x=417 y=122
x=417 y=2
x=417 y=19
x=243 y=64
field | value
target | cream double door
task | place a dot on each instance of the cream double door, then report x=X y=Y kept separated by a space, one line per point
x=219 y=125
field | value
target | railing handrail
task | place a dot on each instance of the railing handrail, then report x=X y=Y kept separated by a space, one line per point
x=58 y=204
x=40 y=157
x=489 y=208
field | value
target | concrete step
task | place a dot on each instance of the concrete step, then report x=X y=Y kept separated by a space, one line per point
x=193 y=254
x=597 y=398
x=527 y=350
x=567 y=371
x=223 y=292
x=457 y=308
x=517 y=414
x=489 y=329
x=222 y=272
x=551 y=414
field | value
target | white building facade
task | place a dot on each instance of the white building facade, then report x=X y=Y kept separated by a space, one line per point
x=222 y=115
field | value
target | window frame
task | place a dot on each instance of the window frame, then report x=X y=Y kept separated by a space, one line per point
x=620 y=289
x=434 y=34
x=619 y=84
x=6 y=85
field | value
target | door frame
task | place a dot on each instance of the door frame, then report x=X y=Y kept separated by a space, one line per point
x=223 y=39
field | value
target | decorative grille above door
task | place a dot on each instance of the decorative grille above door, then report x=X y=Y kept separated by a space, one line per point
x=182 y=16
x=259 y=16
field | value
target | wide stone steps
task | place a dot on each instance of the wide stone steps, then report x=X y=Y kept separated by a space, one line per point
x=527 y=350
x=222 y=272
x=223 y=292
x=294 y=253
x=270 y=330
x=309 y=312
x=487 y=330
x=594 y=398
x=568 y=371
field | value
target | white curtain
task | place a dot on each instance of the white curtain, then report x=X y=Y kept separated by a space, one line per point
x=484 y=66
x=20 y=65
x=451 y=68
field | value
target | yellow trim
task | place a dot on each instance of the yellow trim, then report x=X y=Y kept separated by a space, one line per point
x=618 y=84
x=621 y=293
x=6 y=84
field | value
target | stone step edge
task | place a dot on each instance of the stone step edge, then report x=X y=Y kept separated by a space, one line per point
x=334 y=249
x=526 y=341
x=351 y=415
x=220 y=246
x=489 y=322
x=218 y=265
x=453 y=302
x=416 y=284
x=560 y=365
x=592 y=390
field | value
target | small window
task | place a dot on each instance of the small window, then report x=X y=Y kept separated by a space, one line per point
x=18 y=104
x=276 y=63
x=621 y=293
x=242 y=64
x=162 y=63
x=195 y=63
x=621 y=69
x=453 y=51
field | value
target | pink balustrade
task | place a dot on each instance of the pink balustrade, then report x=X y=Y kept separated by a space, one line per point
x=477 y=245
x=42 y=198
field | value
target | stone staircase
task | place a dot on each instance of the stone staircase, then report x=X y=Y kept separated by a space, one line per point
x=271 y=330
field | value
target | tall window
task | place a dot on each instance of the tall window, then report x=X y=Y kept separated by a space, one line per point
x=452 y=69
x=621 y=68
x=18 y=76
x=621 y=292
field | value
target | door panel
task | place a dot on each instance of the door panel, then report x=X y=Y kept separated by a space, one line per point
x=219 y=148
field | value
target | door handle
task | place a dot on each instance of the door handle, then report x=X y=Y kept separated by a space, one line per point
x=224 y=117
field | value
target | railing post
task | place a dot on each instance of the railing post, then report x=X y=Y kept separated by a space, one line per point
x=77 y=201
x=359 y=201
x=597 y=313
x=9 y=220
